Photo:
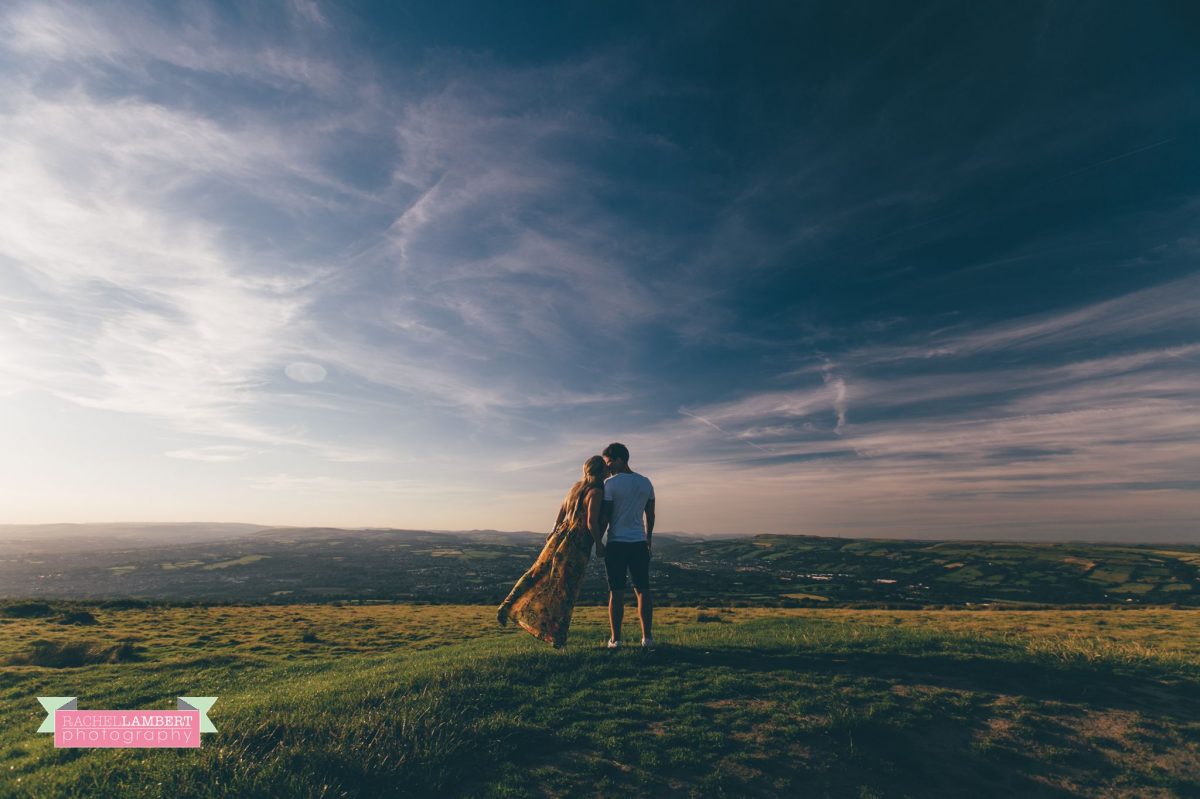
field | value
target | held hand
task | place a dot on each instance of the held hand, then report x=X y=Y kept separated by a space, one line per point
x=599 y=550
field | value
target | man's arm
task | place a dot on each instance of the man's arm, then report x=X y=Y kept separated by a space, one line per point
x=649 y=521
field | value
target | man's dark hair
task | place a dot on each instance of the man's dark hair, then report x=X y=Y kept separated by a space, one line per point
x=615 y=450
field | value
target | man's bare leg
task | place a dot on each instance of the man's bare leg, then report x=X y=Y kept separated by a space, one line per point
x=645 y=611
x=616 y=613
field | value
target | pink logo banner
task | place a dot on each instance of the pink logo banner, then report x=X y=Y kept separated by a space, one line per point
x=126 y=729
x=157 y=729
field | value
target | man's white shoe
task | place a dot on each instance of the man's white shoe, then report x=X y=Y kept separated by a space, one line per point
x=647 y=643
x=613 y=644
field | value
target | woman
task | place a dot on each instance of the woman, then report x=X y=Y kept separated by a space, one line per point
x=544 y=597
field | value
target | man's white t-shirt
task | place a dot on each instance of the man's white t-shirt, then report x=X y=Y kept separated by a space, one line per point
x=628 y=492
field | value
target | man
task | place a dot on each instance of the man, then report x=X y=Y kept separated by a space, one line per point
x=628 y=496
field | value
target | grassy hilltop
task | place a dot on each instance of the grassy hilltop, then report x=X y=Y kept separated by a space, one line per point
x=383 y=700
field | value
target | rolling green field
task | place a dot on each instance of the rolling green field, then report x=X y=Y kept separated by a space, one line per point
x=301 y=565
x=404 y=700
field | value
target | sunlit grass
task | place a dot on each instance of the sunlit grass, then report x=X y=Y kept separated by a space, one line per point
x=167 y=634
x=325 y=700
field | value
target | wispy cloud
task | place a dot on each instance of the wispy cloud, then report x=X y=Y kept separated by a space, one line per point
x=119 y=302
x=130 y=288
x=175 y=259
x=133 y=37
x=213 y=454
x=324 y=484
x=838 y=386
x=1165 y=308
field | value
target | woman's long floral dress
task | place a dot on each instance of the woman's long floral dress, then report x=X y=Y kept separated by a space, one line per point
x=543 y=599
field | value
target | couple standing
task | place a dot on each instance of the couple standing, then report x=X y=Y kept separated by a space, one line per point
x=610 y=498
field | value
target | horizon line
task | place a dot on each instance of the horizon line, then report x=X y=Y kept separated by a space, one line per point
x=678 y=533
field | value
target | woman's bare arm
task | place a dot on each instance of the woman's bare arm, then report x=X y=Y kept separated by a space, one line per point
x=561 y=513
x=595 y=499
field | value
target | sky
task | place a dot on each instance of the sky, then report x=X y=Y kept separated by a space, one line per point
x=861 y=269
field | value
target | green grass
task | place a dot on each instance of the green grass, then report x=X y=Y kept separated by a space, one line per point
x=183 y=564
x=394 y=700
x=225 y=564
x=1106 y=575
x=1135 y=588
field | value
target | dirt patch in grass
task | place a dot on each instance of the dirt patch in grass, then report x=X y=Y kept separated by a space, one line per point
x=1085 y=751
x=81 y=617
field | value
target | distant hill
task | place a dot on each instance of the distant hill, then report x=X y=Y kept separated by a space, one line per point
x=294 y=564
x=90 y=536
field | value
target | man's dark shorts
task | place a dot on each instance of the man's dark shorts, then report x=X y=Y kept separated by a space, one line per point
x=631 y=556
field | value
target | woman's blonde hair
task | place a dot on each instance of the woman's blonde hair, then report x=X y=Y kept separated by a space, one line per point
x=593 y=477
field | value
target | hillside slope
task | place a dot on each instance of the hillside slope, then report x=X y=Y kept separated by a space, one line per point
x=325 y=701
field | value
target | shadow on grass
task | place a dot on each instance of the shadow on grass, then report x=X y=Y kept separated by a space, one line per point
x=851 y=739
x=1096 y=685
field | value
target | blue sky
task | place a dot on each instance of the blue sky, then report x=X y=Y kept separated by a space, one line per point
x=853 y=269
